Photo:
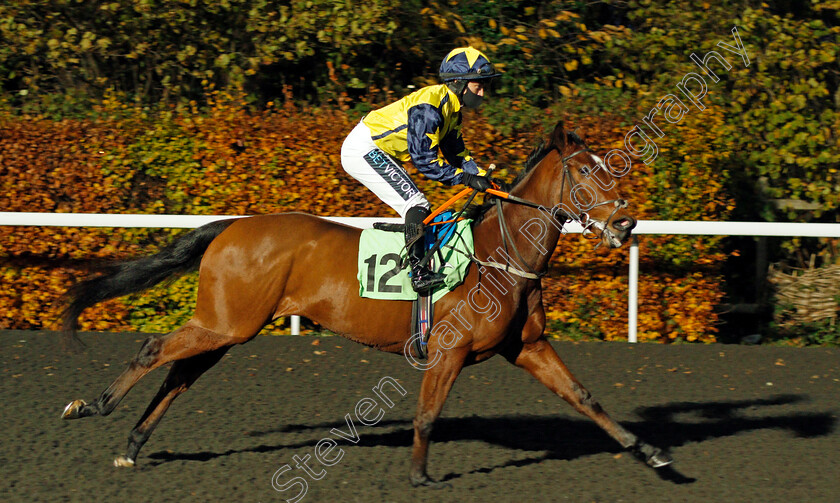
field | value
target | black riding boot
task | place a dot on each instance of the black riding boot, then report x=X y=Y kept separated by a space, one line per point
x=422 y=278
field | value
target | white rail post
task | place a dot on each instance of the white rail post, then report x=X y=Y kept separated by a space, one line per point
x=633 y=292
x=295 y=324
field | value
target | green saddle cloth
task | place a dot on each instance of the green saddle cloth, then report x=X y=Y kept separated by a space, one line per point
x=382 y=252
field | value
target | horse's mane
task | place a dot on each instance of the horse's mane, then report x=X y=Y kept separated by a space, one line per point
x=476 y=213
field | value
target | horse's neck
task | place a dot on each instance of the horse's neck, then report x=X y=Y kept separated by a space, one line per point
x=533 y=232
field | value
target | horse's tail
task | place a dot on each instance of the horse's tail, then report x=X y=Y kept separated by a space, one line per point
x=134 y=275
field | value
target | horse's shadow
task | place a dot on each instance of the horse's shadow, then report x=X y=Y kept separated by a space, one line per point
x=563 y=438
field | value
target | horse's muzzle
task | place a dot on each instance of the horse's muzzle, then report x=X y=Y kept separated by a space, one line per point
x=624 y=224
x=620 y=229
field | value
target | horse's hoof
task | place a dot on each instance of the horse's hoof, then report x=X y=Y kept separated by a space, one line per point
x=427 y=482
x=659 y=459
x=652 y=456
x=124 y=462
x=72 y=409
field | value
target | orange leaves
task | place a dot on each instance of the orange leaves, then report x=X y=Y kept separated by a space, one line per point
x=230 y=159
x=586 y=294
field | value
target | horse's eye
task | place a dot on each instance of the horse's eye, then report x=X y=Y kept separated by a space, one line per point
x=585 y=171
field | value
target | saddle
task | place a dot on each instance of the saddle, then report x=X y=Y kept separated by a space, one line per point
x=383 y=271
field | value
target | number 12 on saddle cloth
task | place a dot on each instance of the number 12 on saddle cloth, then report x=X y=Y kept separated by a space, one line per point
x=382 y=253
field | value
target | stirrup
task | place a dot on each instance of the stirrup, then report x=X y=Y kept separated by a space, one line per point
x=423 y=280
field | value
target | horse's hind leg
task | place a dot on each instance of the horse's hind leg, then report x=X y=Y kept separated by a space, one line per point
x=187 y=341
x=181 y=376
x=541 y=361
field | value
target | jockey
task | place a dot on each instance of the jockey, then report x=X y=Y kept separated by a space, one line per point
x=424 y=128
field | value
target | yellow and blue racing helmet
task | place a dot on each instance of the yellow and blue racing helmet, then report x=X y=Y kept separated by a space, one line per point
x=466 y=63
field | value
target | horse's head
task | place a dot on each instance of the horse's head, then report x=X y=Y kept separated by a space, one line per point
x=580 y=187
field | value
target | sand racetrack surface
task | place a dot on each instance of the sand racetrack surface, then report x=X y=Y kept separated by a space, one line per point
x=744 y=423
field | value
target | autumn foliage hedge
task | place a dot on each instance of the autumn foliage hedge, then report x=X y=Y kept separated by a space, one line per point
x=231 y=159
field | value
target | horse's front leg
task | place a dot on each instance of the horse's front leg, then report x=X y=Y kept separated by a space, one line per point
x=437 y=382
x=541 y=361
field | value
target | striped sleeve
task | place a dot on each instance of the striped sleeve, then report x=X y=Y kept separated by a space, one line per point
x=423 y=135
x=453 y=148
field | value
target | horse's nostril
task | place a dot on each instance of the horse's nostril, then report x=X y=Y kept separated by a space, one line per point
x=624 y=224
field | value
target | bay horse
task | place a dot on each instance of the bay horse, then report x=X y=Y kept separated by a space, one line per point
x=253 y=270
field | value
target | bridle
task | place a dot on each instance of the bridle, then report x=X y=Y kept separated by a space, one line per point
x=583 y=218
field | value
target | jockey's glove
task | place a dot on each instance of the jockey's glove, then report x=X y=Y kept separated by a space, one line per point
x=477 y=182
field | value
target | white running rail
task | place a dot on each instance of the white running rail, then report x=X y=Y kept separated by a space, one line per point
x=690 y=228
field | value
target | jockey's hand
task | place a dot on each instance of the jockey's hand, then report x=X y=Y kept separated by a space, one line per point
x=477 y=182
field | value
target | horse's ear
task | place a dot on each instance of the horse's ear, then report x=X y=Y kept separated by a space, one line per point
x=558 y=136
